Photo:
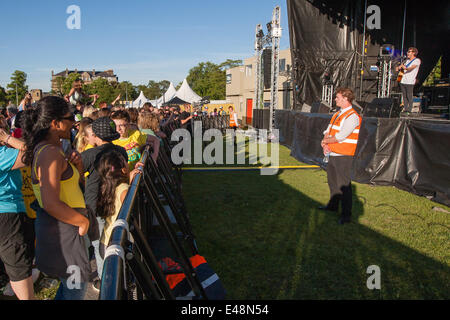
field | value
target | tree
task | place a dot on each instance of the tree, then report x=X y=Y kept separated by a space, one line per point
x=157 y=89
x=68 y=82
x=435 y=74
x=230 y=64
x=105 y=90
x=207 y=79
x=153 y=89
x=3 y=99
x=17 y=89
x=127 y=89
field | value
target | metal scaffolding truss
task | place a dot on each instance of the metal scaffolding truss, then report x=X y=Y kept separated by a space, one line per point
x=384 y=77
x=271 y=40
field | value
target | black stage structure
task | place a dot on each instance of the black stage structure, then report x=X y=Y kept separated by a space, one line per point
x=410 y=153
x=328 y=37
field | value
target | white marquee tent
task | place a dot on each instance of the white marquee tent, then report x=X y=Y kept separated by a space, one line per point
x=139 y=102
x=185 y=93
x=170 y=93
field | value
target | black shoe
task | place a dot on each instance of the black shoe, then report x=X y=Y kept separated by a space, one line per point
x=326 y=208
x=344 y=220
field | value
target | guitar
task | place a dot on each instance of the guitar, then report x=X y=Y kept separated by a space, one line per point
x=401 y=73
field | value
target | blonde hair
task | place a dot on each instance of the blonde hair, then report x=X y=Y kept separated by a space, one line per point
x=81 y=136
x=148 y=120
x=87 y=112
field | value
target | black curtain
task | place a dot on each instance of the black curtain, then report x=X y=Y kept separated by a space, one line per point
x=326 y=36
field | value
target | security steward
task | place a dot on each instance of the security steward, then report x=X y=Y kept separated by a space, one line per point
x=340 y=141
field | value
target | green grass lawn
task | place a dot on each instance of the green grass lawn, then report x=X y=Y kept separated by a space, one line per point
x=266 y=240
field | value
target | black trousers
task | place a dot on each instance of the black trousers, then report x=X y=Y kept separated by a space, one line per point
x=408 y=98
x=339 y=181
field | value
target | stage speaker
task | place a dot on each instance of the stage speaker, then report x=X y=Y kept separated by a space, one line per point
x=265 y=119
x=383 y=108
x=267 y=66
x=319 y=107
x=261 y=118
x=256 y=118
x=441 y=96
x=359 y=106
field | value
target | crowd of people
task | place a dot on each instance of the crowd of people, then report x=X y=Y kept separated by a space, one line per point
x=65 y=169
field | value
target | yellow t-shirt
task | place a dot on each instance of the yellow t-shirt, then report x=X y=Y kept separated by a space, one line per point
x=89 y=146
x=132 y=145
x=107 y=231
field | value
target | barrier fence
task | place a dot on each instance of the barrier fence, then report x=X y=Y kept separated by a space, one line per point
x=152 y=247
x=214 y=122
x=410 y=154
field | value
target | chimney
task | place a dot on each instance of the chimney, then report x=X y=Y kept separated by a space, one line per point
x=76 y=70
x=52 y=73
x=67 y=72
x=93 y=72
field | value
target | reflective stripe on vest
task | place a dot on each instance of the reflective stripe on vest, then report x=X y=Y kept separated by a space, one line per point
x=232 y=122
x=174 y=279
x=348 y=146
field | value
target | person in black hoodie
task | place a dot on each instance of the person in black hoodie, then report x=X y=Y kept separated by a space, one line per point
x=104 y=130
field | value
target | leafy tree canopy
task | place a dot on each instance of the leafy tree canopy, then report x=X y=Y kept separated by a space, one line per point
x=209 y=79
x=17 y=88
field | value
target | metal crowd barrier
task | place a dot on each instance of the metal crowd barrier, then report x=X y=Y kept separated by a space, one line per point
x=214 y=122
x=131 y=270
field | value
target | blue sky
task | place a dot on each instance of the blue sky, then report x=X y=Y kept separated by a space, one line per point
x=140 y=40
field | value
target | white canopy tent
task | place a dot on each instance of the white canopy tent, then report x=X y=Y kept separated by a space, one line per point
x=187 y=94
x=170 y=93
x=139 y=102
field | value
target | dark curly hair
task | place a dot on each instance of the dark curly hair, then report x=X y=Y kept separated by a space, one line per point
x=109 y=169
x=36 y=122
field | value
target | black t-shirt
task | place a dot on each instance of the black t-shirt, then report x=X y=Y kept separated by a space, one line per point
x=91 y=159
x=184 y=115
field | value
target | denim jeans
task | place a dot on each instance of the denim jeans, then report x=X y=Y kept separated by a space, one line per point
x=65 y=293
x=96 y=245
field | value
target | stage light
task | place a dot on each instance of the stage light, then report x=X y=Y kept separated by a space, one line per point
x=387 y=50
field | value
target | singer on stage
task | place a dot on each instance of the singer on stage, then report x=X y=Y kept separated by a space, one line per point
x=410 y=69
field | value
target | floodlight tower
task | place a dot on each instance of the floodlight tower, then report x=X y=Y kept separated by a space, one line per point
x=271 y=40
x=258 y=74
x=275 y=33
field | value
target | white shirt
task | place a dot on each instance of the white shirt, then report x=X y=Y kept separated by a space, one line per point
x=235 y=118
x=75 y=98
x=410 y=77
x=348 y=125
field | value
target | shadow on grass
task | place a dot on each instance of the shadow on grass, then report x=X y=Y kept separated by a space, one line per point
x=267 y=240
x=243 y=157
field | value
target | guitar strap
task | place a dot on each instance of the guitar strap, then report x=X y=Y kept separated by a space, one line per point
x=407 y=66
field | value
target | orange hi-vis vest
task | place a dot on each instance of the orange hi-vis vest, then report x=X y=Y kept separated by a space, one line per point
x=233 y=123
x=348 y=146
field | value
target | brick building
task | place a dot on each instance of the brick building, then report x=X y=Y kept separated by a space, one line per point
x=86 y=76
